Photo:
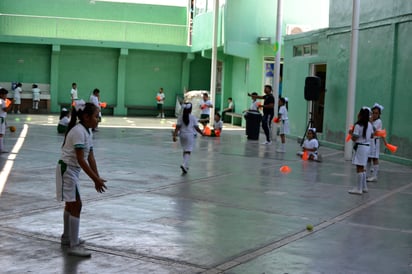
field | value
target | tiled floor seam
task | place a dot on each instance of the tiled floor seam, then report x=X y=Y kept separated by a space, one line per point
x=270 y=247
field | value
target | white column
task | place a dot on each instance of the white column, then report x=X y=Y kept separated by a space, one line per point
x=350 y=100
x=214 y=60
x=278 y=42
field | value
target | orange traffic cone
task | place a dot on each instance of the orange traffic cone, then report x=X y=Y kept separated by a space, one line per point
x=380 y=133
x=207 y=131
x=391 y=148
x=305 y=155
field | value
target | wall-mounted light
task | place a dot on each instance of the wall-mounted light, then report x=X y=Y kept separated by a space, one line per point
x=263 y=40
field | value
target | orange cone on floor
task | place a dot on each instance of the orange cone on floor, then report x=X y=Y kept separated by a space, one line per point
x=207 y=131
x=285 y=169
x=305 y=155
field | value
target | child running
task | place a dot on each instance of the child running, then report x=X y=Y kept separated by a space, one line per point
x=361 y=136
x=186 y=126
x=310 y=145
x=372 y=166
x=77 y=154
x=284 y=123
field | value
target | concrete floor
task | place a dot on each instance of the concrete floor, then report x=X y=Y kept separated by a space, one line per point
x=234 y=212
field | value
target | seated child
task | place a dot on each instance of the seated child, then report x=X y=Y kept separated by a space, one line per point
x=310 y=145
x=217 y=125
x=64 y=120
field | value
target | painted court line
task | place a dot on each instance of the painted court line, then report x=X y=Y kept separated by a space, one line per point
x=4 y=174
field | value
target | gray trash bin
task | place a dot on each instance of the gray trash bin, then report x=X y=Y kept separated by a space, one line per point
x=253 y=120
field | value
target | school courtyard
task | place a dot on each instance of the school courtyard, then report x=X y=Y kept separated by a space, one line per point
x=234 y=212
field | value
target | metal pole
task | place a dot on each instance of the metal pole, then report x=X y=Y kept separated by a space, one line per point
x=350 y=102
x=277 y=46
x=214 y=60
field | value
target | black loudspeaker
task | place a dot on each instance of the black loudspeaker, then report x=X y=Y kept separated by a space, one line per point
x=312 y=88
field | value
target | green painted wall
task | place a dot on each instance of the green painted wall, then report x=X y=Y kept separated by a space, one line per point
x=24 y=63
x=103 y=21
x=90 y=68
x=370 y=10
x=384 y=66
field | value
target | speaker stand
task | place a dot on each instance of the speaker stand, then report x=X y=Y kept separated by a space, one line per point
x=309 y=125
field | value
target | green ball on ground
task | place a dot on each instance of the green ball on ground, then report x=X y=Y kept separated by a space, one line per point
x=309 y=227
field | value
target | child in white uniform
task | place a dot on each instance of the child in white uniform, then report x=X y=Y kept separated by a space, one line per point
x=217 y=126
x=160 y=98
x=36 y=96
x=186 y=127
x=372 y=167
x=310 y=145
x=77 y=154
x=205 y=105
x=63 y=121
x=284 y=123
x=17 y=98
x=361 y=136
x=3 y=114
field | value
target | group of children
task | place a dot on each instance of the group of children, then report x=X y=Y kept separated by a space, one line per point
x=77 y=154
x=366 y=147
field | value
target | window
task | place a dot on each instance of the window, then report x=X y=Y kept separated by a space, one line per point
x=305 y=50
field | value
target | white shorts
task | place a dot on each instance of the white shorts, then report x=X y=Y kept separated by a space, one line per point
x=67 y=182
x=375 y=148
x=360 y=155
x=17 y=101
x=187 y=141
x=284 y=127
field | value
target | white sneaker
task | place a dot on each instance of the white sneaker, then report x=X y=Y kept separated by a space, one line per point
x=281 y=150
x=355 y=191
x=79 y=252
x=371 y=179
x=267 y=143
x=158 y=116
x=365 y=190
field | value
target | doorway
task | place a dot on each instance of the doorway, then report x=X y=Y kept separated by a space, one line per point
x=318 y=107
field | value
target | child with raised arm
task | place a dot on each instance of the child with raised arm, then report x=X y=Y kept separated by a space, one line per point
x=186 y=127
x=77 y=155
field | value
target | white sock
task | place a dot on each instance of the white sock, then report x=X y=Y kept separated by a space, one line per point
x=369 y=169
x=186 y=158
x=375 y=170
x=74 y=230
x=66 y=224
x=360 y=180
x=364 y=183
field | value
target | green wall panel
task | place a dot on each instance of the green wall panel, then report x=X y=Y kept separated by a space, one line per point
x=90 y=68
x=200 y=69
x=147 y=71
x=24 y=63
